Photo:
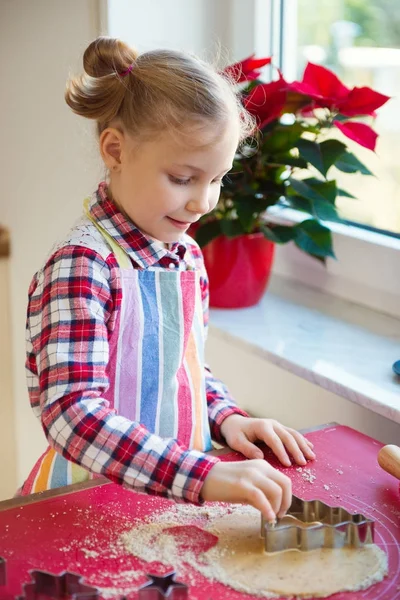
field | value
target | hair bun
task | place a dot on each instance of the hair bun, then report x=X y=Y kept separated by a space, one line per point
x=106 y=56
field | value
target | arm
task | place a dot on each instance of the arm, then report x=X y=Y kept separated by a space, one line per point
x=71 y=312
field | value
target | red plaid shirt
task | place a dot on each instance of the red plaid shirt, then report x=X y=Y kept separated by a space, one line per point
x=73 y=303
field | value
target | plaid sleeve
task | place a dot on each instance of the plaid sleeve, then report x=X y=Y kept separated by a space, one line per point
x=220 y=403
x=72 y=307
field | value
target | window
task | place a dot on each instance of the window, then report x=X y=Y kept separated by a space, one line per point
x=360 y=41
x=333 y=33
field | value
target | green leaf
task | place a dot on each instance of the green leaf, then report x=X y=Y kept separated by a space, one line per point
x=232 y=228
x=313 y=238
x=282 y=139
x=327 y=189
x=349 y=163
x=331 y=150
x=323 y=211
x=245 y=212
x=299 y=203
x=311 y=152
x=321 y=156
x=313 y=189
x=344 y=194
x=290 y=161
x=280 y=234
x=208 y=232
x=258 y=203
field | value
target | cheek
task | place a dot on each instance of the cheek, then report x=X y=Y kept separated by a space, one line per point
x=214 y=195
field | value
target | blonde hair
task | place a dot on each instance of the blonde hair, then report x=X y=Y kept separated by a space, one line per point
x=153 y=91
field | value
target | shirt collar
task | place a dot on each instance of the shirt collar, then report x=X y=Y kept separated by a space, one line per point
x=142 y=249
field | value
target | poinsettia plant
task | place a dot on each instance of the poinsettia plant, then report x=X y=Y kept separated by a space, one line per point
x=290 y=159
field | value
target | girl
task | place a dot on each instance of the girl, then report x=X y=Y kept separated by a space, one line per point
x=117 y=316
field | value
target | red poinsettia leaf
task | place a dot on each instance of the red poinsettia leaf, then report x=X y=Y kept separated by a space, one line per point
x=324 y=81
x=320 y=84
x=358 y=132
x=247 y=69
x=251 y=63
x=361 y=101
x=267 y=101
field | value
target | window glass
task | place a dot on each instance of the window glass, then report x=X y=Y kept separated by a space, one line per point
x=360 y=41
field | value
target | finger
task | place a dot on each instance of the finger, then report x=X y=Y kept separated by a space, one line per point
x=255 y=497
x=286 y=486
x=272 y=439
x=303 y=444
x=243 y=445
x=274 y=493
x=291 y=445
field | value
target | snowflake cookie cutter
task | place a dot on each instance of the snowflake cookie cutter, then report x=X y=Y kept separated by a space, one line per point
x=57 y=587
x=324 y=527
x=163 y=587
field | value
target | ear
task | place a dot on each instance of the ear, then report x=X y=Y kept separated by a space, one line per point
x=111 y=146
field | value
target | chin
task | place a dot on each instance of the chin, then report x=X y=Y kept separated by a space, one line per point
x=169 y=238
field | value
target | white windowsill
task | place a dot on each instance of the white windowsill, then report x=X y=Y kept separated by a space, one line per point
x=341 y=346
x=366 y=272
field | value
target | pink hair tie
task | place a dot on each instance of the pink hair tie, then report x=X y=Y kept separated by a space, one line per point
x=128 y=70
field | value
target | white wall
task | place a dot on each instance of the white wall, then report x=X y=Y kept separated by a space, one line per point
x=204 y=27
x=160 y=24
x=8 y=475
x=48 y=158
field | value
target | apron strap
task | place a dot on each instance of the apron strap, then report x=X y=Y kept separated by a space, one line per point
x=121 y=255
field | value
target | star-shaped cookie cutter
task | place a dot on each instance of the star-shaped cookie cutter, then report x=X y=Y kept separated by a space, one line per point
x=321 y=526
x=64 y=586
x=3 y=571
x=163 y=587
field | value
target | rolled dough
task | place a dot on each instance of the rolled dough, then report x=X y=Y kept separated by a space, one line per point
x=317 y=574
x=239 y=560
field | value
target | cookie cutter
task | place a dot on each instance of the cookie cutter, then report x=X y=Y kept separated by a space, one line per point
x=58 y=587
x=327 y=527
x=3 y=571
x=163 y=587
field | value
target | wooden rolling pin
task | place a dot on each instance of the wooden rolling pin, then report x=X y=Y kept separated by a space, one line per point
x=389 y=460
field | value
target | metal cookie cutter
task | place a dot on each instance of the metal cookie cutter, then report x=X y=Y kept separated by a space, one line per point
x=324 y=527
x=65 y=585
x=164 y=586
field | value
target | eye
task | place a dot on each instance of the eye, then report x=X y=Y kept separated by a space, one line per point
x=178 y=180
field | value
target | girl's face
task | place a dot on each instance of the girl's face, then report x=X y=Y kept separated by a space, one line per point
x=164 y=185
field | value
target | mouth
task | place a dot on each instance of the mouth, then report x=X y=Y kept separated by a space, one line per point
x=182 y=225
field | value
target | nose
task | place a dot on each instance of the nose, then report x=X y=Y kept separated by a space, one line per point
x=200 y=201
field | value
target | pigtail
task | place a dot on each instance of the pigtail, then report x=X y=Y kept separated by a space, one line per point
x=99 y=93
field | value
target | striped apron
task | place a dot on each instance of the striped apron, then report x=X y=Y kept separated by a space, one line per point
x=156 y=364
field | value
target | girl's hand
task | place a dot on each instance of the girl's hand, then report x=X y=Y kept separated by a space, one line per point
x=252 y=482
x=241 y=433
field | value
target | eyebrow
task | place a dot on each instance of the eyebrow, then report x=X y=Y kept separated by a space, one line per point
x=201 y=170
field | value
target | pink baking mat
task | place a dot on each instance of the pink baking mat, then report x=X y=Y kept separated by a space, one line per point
x=54 y=534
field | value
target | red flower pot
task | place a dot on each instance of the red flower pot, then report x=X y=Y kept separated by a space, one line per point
x=238 y=269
